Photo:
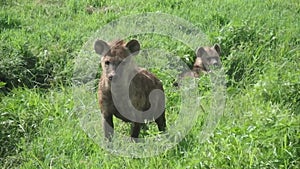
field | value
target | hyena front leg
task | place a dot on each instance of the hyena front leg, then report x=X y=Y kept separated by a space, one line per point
x=135 y=130
x=108 y=126
x=161 y=122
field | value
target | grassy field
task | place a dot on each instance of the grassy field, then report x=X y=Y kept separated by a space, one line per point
x=260 y=126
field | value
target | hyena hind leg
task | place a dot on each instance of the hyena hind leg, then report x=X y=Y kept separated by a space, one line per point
x=135 y=130
x=161 y=122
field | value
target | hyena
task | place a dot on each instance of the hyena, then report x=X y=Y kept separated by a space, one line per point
x=206 y=58
x=112 y=86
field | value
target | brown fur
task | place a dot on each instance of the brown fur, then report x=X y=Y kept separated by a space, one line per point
x=139 y=89
x=206 y=57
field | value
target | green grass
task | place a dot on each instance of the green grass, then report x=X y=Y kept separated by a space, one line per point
x=260 y=54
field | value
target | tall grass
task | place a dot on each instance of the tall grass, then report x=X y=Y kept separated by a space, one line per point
x=260 y=55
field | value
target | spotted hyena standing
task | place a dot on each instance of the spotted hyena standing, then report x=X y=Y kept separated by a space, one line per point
x=122 y=80
x=206 y=58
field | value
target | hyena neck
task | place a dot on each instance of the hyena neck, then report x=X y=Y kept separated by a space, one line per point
x=104 y=83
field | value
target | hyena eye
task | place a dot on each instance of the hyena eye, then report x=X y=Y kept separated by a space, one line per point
x=107 y=62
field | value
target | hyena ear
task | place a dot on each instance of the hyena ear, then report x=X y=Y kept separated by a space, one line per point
x=133 y=46
x=217 y=48
x=101 y=47
x=200 y=52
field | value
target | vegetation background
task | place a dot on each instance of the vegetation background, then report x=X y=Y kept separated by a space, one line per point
x=260 y=53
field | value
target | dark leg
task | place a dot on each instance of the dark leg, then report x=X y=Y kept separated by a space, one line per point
x=161 y=122
x=135 y=130
x=108 y=126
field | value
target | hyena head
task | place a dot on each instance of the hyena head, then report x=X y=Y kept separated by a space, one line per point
x=113 y=54
x=206 y=58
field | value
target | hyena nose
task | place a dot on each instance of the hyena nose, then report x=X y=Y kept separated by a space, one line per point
x=110 y=77
x=216 y=64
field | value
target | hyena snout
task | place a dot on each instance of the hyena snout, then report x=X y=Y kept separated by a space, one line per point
x=215 y=64
x=212 y=63
x=111 y=75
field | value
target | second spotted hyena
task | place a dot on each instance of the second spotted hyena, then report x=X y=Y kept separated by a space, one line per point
x=206 y=59
x=123 y=81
